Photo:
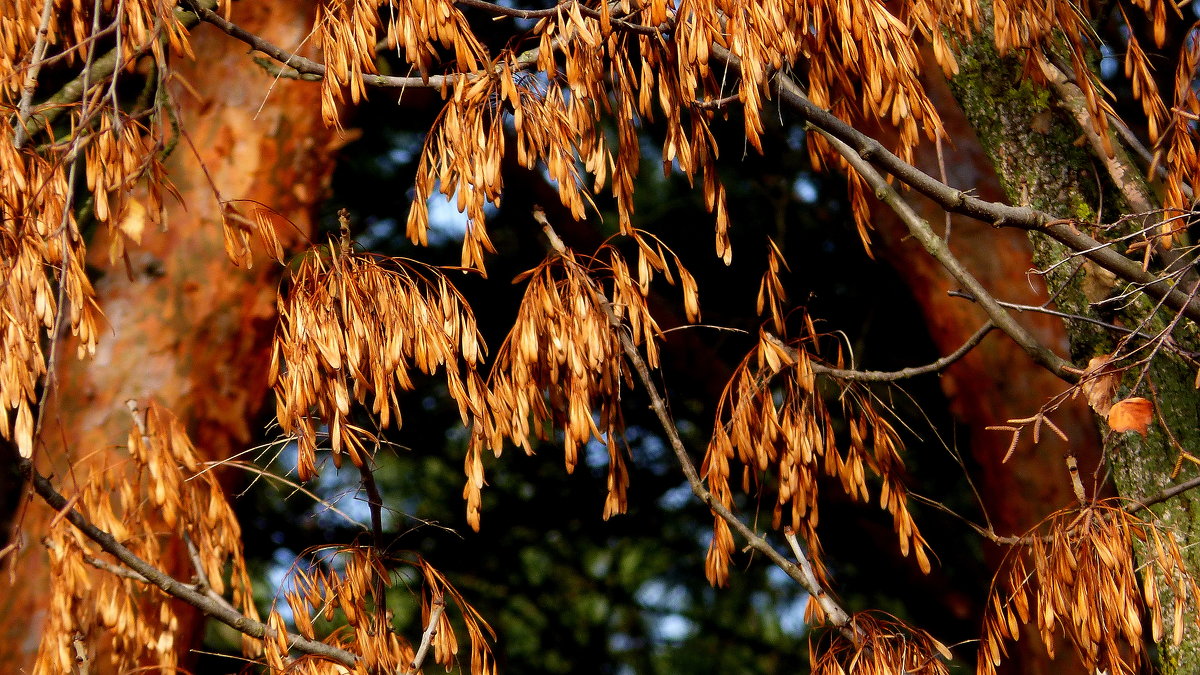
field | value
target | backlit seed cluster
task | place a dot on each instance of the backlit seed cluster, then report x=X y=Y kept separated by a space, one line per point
x=882 y=645
x=562 y=367
x=773 y=420
x=339 y=590
x=1079 y=578
x=353 y=328
x=154 y=505
x=42 y=251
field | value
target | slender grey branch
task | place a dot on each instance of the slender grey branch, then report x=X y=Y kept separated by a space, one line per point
x=839 y=617
x=937 y=248
x=40 y=44
x=904 y=373
x=170 y=585
x=306 y=66
x=1164 y=495
x=435 y=615
x=1074 y=317
x=957 y=201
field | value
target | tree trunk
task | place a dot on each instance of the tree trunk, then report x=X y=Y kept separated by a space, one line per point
x=186 y=328
x=996 y=381
x=1031 y=141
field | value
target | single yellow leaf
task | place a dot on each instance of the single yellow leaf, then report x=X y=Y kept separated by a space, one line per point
x=1131 y=414
x=134 y=221
x=1100 y=383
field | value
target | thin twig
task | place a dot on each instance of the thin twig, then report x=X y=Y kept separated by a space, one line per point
x=435 y=615
x=1077 y=317
x=894 y=375
x=40 y=44
x=1167 y=493
x=827 y=603
x=306 y=66
x=375 y=503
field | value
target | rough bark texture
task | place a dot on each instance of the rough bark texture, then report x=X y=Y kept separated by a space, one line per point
x=997 y=381
x=1031 y=142
x=188 y=329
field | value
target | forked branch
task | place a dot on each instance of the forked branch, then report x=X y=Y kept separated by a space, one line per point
x=936 y=247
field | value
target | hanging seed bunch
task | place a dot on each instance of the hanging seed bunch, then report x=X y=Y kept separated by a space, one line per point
x=160 y=504
x=44 y=143
x=352 y=329
x=333 y=593
x=555 y=118
x=773 y=420
x=349 y=34
x=884 y=645
x=562 y=366
x=1078 y=577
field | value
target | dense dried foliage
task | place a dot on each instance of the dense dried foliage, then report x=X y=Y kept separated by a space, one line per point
x=351 y=328
x=163 y=487
x=571 y=94
x=1084 y=583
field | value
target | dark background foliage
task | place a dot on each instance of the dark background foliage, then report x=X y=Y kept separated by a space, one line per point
x=566 y=591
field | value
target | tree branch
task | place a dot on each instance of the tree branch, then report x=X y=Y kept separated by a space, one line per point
x=836 y=614
x=957 y=201
x=170 y=585
x=375 y=502
x=894 y=375
x=31 y=75
x=1164 y=495
x=937 y=248
x=435 y=614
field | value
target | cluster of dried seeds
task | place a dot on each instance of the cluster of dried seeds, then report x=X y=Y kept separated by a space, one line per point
x=348 y=34
x=773 y=420
x=1079 y=577
x=345 y=593
x=164 y=504
x=562 y=365
x=41 y=248
x=352 y=328
x=883 y=645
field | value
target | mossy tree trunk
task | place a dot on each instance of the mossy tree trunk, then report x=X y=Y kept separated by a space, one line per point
x=1032 y=140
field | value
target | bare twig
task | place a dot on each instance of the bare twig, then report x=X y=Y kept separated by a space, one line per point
x=1167 y=493
x=894 y=375
x=830 y=607
x=40 y=44
x=375 y=503
x=306 y=66
x=435 y=615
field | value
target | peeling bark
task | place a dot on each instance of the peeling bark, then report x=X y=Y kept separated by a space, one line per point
x=187 y=328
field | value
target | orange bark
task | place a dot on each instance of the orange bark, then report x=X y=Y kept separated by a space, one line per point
x=188 y=329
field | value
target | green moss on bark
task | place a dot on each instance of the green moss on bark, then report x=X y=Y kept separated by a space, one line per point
x=1032 y=145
